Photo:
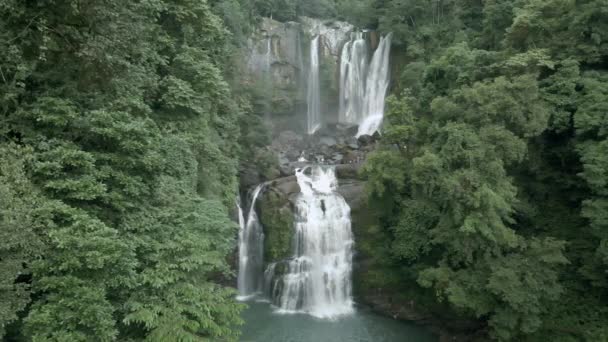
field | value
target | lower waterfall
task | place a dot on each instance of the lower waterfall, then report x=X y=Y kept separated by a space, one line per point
x=251 y=250
x=318 y=279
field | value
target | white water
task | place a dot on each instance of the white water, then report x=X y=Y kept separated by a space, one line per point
x=251 y=251
x=314 y=92
x=353 y=71
x=376 y=87
x=363 y=87
x=318 y=281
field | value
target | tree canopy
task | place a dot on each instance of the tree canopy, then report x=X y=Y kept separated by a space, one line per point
x=493 y=169
x=118 y=139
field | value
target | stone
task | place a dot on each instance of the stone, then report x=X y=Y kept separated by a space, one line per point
x=352 y=143
x=325 y=130
x=290 y=169
x=328 y=141
x=353 y=157
x=353 y=192
x=286 y=170
x=348 y=171
x=286 y=185
x=292 y=155
x=289 y=138
x=366 y=140
x=337 y=158
x=351 y=131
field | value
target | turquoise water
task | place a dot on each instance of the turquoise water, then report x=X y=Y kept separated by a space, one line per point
x=262 y=324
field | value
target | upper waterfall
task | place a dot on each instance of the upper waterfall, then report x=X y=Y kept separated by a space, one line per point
x=313 y=98
x=251 y=250
x=363 y=87
x=353 y=71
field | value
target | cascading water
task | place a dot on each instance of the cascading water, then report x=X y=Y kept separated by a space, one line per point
x=251 y=250
x=362 y=87
x=353 y=69
x=318 y=280
x=376 y=86
x=314 y=93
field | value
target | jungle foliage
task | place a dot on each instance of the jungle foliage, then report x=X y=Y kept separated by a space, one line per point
x=493 y=171
x=118 y=142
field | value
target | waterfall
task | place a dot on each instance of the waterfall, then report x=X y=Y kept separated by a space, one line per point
x=377 y=84
x=362 y=87
x=314 y=93
x=318 y=280
x=269 y=279
x=268 y=59
x=251 y=250
x=353 y=67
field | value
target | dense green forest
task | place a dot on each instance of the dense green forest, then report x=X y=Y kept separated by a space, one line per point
x=122 y=124
x=118 y=146
x=493 y=178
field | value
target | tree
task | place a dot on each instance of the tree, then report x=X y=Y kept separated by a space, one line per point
x=129 y=134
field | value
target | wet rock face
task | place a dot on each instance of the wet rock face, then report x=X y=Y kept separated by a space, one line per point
x=274 y=61
x=276 y=209
x=334 y=34
x=275 y=43
x=277 y=58
x=333 y=145
x=276 y=215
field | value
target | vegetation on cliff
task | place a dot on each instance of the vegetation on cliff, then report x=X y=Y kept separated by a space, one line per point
x=494 y=164
x=276 y=215
x=118 y=141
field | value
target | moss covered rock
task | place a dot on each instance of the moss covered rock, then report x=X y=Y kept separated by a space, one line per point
x=276 y=215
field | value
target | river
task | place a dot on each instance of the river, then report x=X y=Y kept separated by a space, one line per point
x=263 y=324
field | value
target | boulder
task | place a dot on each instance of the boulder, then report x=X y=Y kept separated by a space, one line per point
x=288 y=140
x=348 y=172
x=353 y=157
x=351 y=131
x=286 y=186
x=366 y=140
x=290 y=168
x=292 y=155
x=328 y=141
x=336 y=158
x=352 y=143
x=353 y=192
x=283 y=160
